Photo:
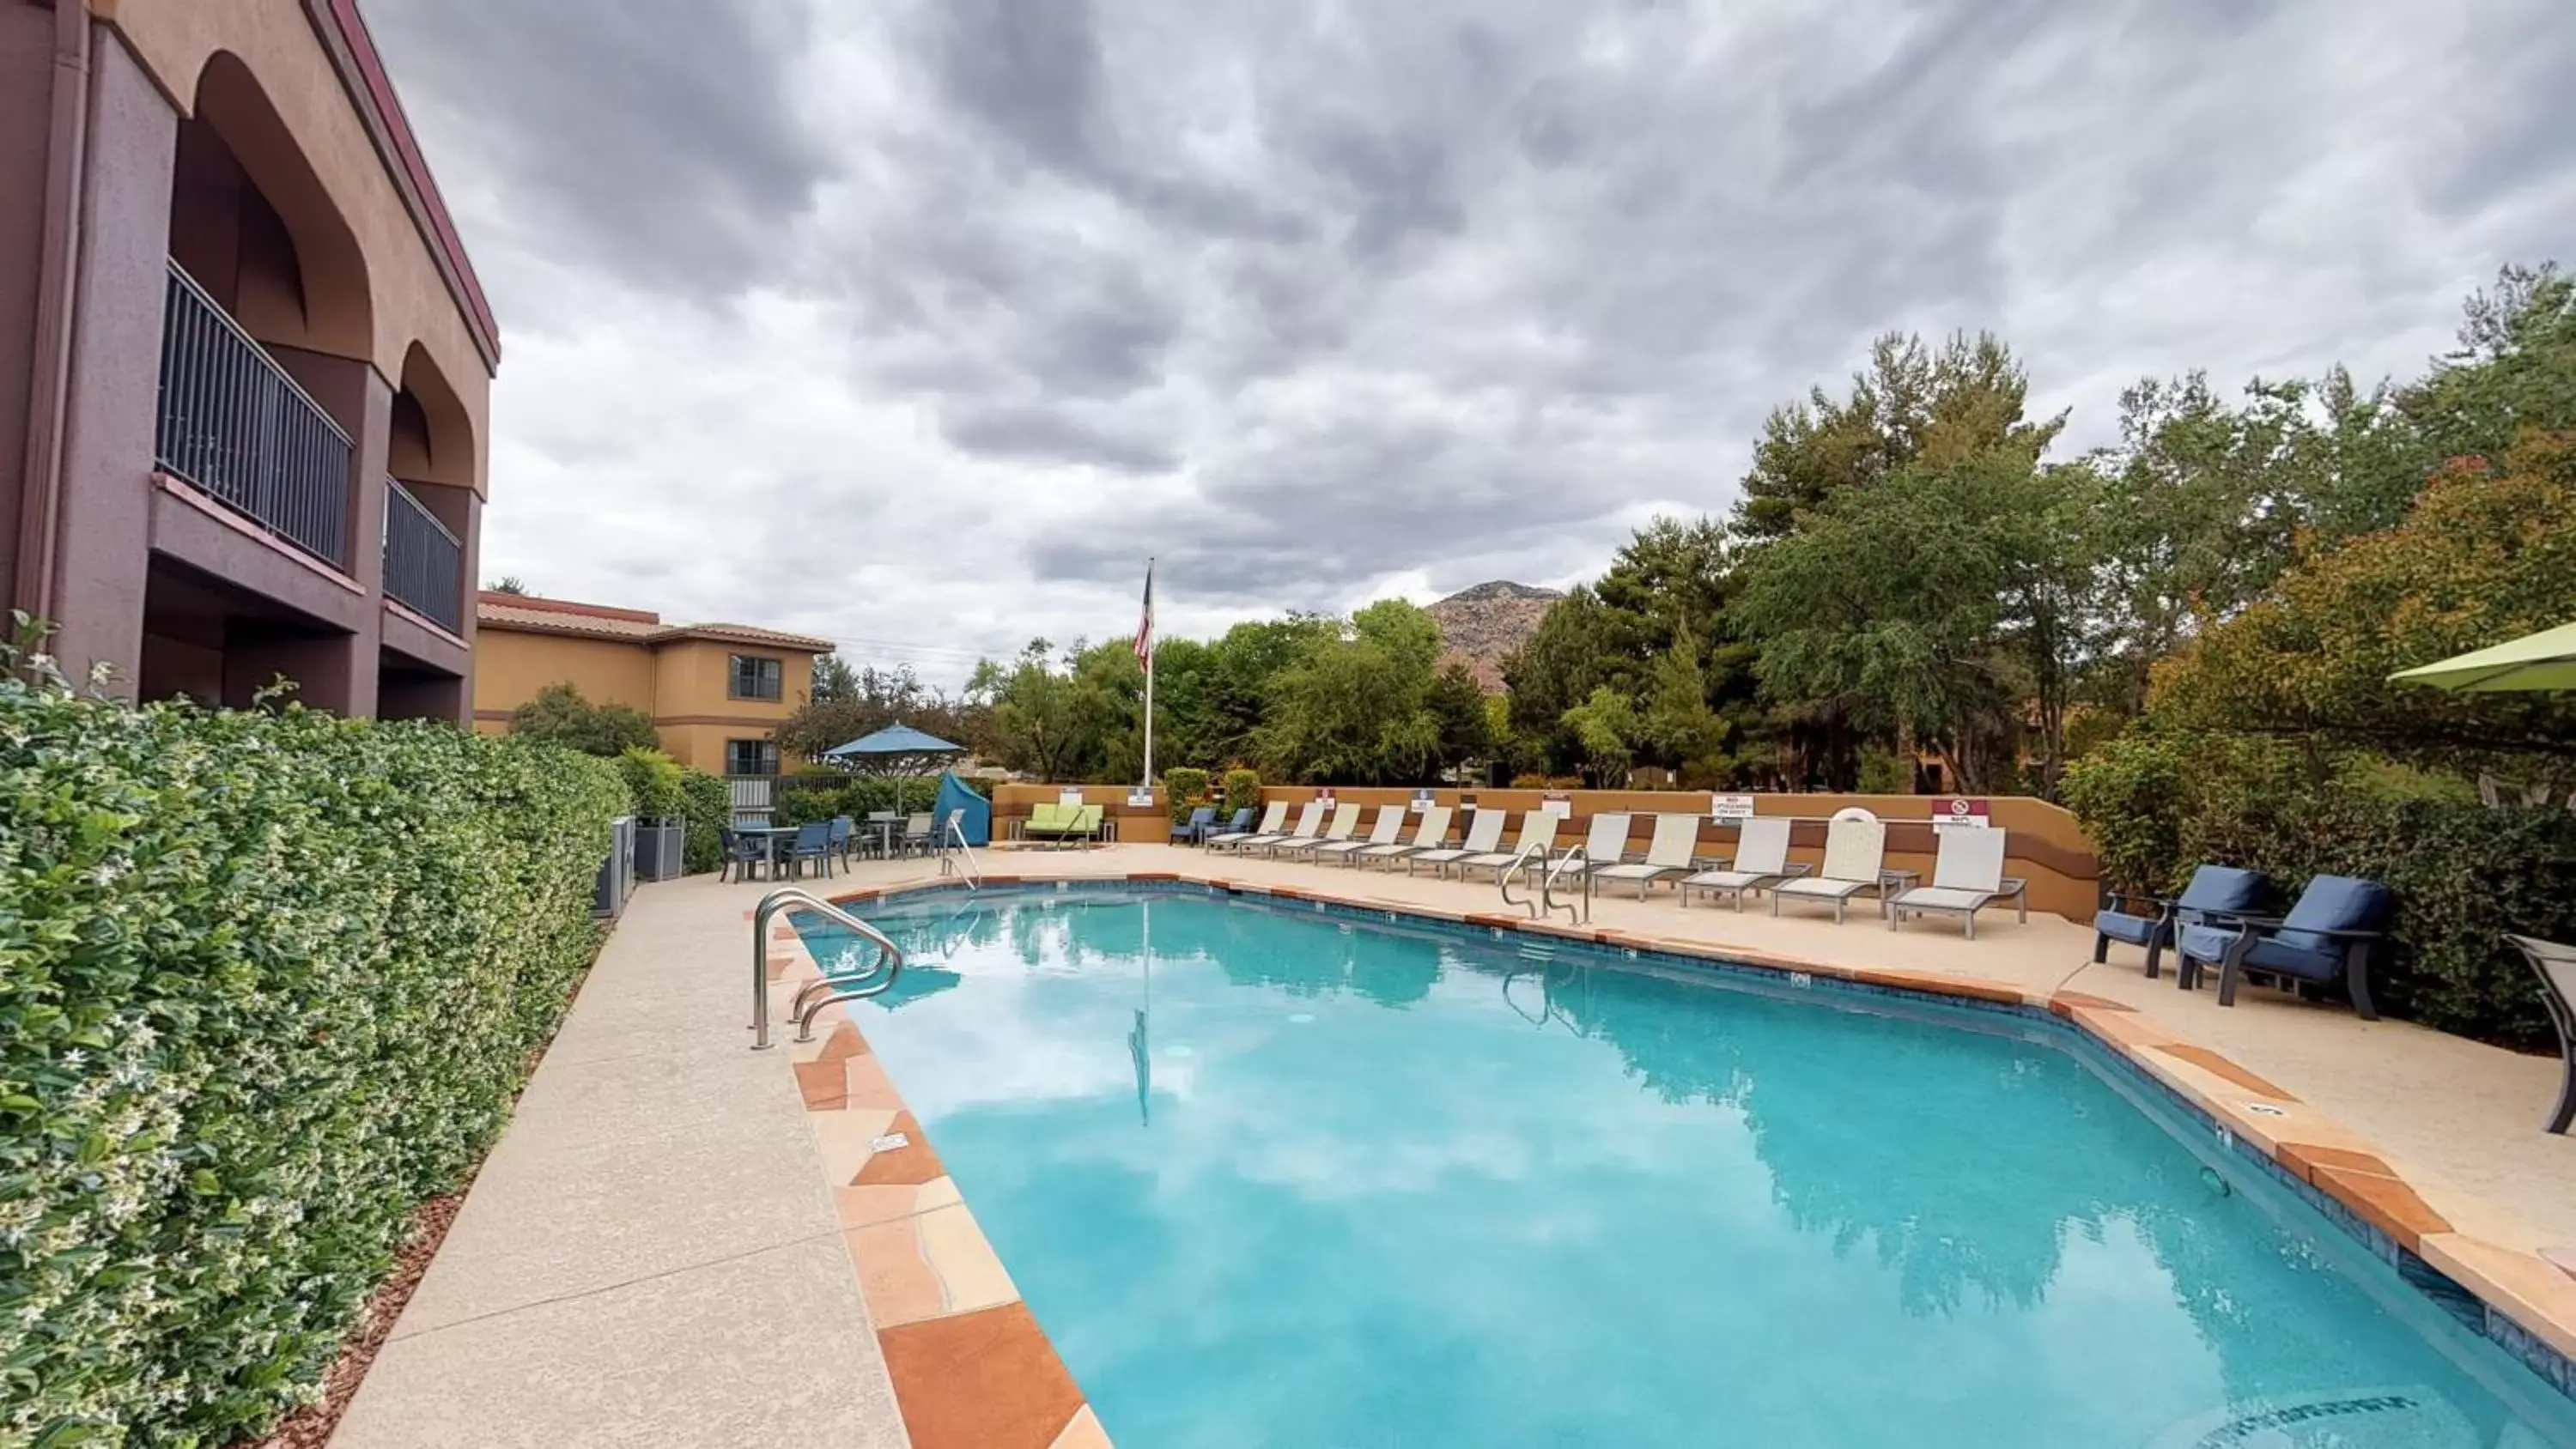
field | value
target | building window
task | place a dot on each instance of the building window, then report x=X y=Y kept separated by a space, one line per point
x=757 y=676
x=751 y=757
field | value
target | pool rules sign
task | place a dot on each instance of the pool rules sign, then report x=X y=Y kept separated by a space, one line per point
x=1962 y=813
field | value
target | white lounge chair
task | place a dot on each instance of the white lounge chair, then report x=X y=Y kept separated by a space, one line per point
x=1484 y=832
x=1273 y=815
x=1606 y=843
x=1855 y=852
x=1427 y=836
x=1761 y=861
x=1669 y=853
x=1309 y=820
x=1538 y=833
x=1390 y=823
x=1967 y=876
x=1345 y=824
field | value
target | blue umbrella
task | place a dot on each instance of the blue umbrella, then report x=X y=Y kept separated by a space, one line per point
x=894 y=739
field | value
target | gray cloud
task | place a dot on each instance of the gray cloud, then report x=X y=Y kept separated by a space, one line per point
x=1309 y=302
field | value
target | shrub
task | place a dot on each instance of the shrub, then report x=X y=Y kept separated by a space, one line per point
x=853 y=796
x=652 y=782
x=559 y=715
x=2157 y=804
x=1183 y=790
x=706 y=803
x=1242 y=790
x=272 y=980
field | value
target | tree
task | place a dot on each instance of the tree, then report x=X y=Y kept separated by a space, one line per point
x=1607 y=728
x=1463 y=724
x=508 y=584
x=1028 y=723
x=561 y=715
x=1933 y=607
x=1356 y=707
x=2486 y=555
x=1911 y=406
x=867 y=699
x=2514 y=370
x=834 y=680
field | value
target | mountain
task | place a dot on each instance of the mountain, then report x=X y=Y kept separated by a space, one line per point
x=1481 y=625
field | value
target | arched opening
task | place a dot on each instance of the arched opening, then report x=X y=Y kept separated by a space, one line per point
x=429 y=503
x=253 y=225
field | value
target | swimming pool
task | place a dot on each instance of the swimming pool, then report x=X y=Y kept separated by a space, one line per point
x=1272 y=1176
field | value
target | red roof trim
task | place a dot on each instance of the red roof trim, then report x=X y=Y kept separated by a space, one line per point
x=566 y=606
x=431 y=209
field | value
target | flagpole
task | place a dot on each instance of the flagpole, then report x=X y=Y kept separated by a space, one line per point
x=1149 y=678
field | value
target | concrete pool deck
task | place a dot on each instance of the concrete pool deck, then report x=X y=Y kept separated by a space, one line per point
x=651 y=1255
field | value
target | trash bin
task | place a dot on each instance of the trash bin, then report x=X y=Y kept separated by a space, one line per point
x=661 y=848
x=617 y=873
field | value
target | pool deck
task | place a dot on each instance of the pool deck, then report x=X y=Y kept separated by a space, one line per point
x=661 y=1250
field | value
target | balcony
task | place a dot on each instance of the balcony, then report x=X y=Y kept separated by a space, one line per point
x=424 y=564
x=237 y=427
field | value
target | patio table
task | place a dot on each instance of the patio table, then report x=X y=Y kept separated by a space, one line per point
x=769 y=836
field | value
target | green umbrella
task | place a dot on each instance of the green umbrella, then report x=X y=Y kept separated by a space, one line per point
x=2546 y=660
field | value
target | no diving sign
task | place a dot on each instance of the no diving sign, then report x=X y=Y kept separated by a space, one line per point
x=1962 y=813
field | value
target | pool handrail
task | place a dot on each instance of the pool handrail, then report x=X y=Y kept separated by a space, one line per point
x=954 y=838
x=1530 y=860
x=845 y=986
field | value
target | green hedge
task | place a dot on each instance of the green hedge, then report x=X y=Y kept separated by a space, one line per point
x=1184 y=790
x=706 y=802
x=801 y=802
x=267 y=983
x=1242 y=790
x=2463 y=873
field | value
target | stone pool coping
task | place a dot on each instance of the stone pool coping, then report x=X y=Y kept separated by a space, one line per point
x=952 y=1325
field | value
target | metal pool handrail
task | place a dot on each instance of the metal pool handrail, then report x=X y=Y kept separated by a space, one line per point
x=1547 y=884
x=1531 y=857
x=844 y=987
x=965 y=866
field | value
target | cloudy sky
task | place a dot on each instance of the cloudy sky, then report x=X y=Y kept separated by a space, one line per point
x=918 y=324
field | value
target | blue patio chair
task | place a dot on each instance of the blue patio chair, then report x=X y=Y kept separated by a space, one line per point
x=2557 y=967
x=742 y=856
x=2327 y=935
x=1189 y=831
x=813 y=842
x=2150 y=921
x=842 y=837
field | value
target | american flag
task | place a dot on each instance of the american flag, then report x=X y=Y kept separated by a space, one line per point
x=1145 y=623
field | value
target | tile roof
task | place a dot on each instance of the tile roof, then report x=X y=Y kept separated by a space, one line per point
x=532 y=615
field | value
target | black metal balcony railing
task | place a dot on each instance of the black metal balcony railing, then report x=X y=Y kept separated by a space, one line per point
x=234 y=424
x=424 y=564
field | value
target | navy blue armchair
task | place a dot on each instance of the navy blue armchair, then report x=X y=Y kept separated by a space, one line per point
x=2150 y=921
x=2328 y=935
x=1195 y=828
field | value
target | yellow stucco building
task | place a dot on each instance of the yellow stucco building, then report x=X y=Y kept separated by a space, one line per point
x=715 y=691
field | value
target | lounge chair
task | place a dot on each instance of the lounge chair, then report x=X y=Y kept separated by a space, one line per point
x=1967 y=876
x=1390 y=823
x=1309 y=819
x=1761 y=862
x=1668 y=853
x=1344 y=824
x=1200 y=822
x=2327 y=934
x=1855 y=851
x=1272 y=817
x=2557 y=967
x=2224 y=889
x=1426 y=836
x=1605 y=842
x=1537 y=837
x=1484 y=832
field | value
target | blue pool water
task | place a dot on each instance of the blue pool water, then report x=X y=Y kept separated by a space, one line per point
x=1271 y=1177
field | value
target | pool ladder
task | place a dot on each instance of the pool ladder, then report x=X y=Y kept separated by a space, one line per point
x=956 y=857
x=1534 y=861
x=832 y=986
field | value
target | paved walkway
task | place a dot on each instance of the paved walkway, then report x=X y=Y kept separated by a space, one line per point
x=650 y=1258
